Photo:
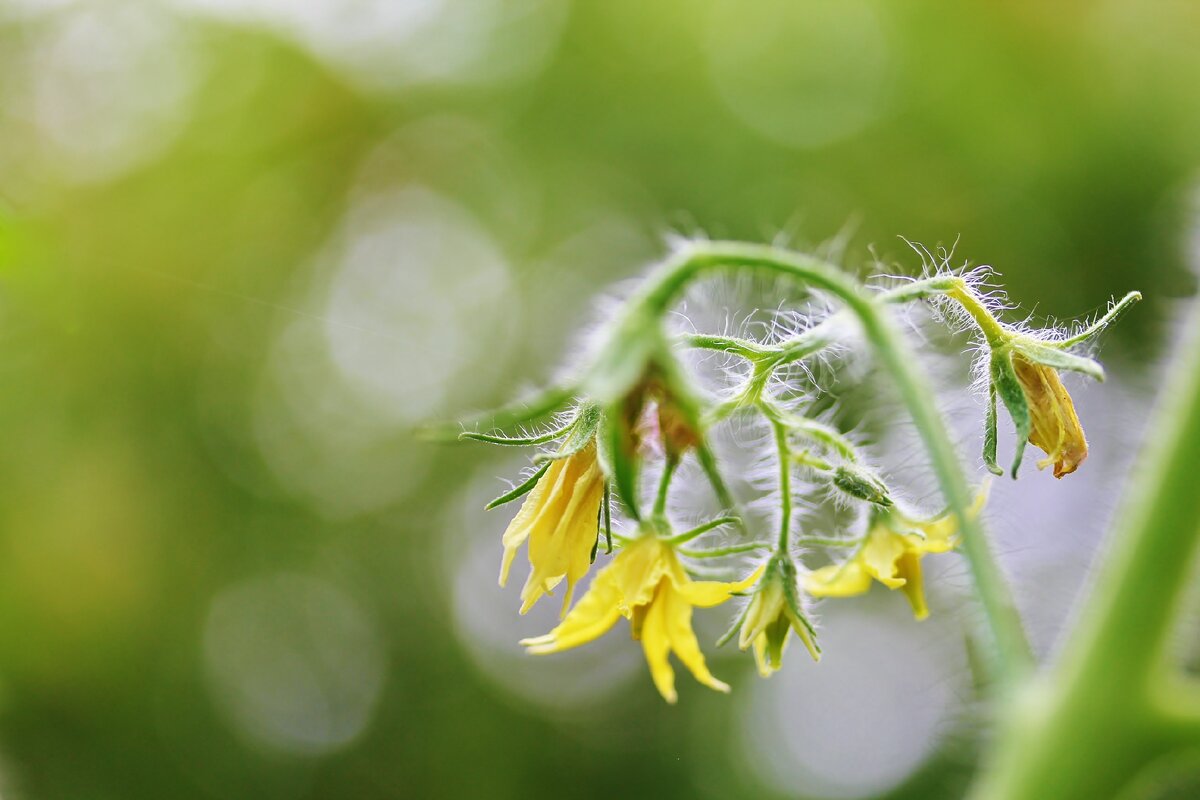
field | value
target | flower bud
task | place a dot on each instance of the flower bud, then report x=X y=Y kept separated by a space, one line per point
x=773 y=612
x=861 y=484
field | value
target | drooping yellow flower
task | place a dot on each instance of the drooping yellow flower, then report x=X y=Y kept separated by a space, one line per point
x=773 y=613
x=647 y=585
x=891 y=554
x=1056 y=429
x=559 y=520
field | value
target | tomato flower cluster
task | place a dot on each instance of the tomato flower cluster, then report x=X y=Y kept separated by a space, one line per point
x=634 y=405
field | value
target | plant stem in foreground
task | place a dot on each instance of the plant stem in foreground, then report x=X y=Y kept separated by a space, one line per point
x=1113 y=703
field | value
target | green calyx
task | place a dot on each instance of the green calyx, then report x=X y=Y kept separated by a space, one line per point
x=1006 y=386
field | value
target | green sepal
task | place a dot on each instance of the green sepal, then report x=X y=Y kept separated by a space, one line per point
x=1115 y=310
x=523 y=412
x=989 y=434
x=861 y=484
x=791 y=596
x=619 y=457
x=582 y=433
x=518 y=441
x=735 y=627
x=606 y=516
x=1059 y=359
x=1008 y=387
x=522 y=490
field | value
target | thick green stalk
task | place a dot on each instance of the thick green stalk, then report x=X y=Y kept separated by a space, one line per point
x=1112 y=703
x=700 y=258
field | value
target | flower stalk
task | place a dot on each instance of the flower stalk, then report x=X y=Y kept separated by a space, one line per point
x=635 y=403
x=1012 y=653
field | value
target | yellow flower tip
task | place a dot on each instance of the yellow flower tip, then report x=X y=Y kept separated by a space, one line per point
x=540 y=645
x=1055 y=425
x=506 y=565
x=647 y=584
x=568 y=596
x=558 y=522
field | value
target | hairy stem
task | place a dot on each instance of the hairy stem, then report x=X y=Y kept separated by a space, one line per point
x=664 y=487
x=785 y=483
x=665 y=285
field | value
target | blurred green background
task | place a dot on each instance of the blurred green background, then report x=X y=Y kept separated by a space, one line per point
x=246 y=247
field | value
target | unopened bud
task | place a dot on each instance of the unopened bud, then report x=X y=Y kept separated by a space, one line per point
x=861 y=485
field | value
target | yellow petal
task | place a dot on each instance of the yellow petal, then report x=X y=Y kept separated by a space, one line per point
x=706 y=594
x=522 y=524
x=591 y=618
x=533 y=591
x=880 y=554
x=765 y=606
x=838 y=580
x=552 y=541
x=941 y=533
x=677 y=615
x=802 y=631
x=657 y=645
x=914 y=584
x=563 y=533
x=1055 y=424
x=643 y=563
x=765 y=668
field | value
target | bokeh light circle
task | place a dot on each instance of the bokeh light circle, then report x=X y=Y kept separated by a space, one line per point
x=803 y=73
x=422 y=296
x=294 y=662
x=867 y=716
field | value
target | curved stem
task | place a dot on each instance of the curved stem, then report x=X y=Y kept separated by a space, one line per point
x=700 y=258
x=991 y=328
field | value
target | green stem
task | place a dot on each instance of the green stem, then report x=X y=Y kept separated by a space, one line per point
x=700 y=530
x=664 y=487
x=747 y=349
x=828 y=541
x=719 y=552
x=700 y=258
x=1111 y=705
x=785 y=483
x=991 y=328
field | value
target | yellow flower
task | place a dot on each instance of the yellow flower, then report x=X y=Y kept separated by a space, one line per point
x=891 y=554
x=647 y=585
x=772 y=614
x=559 y=519
x=1056 y=429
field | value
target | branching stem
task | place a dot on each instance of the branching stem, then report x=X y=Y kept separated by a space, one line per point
x=701 y=258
